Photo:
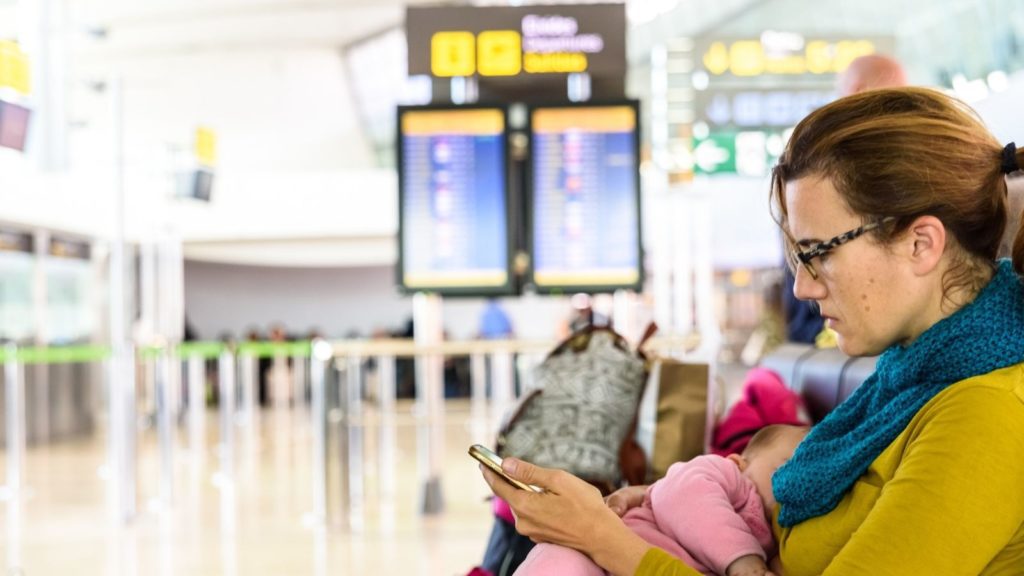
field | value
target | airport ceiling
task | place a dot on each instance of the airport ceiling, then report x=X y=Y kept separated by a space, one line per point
x=938 y=38
x=132 y=29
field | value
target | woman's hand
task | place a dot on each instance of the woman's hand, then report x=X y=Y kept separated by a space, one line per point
x=563 y=514
x=625 y=499
x=569 y=512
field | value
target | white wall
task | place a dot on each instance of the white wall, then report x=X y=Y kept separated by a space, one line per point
x=221 y=297
x=293 y=160
x=743 y=234
x=1002 y=111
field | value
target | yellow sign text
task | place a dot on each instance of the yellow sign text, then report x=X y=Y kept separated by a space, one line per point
x=564 y=62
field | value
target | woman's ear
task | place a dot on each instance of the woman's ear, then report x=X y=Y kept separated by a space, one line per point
x=738 y=460
x=926 y=242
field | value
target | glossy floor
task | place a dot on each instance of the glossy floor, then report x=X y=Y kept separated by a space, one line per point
x=260 y=523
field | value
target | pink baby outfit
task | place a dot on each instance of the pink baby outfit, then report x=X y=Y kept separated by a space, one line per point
x=705 y=512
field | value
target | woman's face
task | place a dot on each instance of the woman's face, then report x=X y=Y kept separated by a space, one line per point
x=864 y=293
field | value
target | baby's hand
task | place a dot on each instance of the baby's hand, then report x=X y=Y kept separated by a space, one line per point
x=750 y=565
x=624 y=499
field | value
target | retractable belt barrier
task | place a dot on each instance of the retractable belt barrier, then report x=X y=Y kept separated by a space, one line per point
x=335 y=372
x=339 y=425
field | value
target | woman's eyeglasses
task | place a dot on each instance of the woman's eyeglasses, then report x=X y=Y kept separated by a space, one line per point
x=804 y=257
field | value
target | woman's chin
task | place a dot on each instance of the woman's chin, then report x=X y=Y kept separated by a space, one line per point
x=848 y=346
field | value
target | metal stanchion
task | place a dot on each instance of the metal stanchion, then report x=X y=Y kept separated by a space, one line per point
x=149 y=387
x=386 y=439
x=14 y=385
x=478 y=382
x=197 y=405
x=386 y=383
x=502 y=383
x=14 y=382
x=298 y=380
x=226 y=383
x=121 y=398
x=352 y=410
x=478 y=397
x=175 y=392
x=319 y=359
x=248 y=365
x=279 y=381
x=165 y=425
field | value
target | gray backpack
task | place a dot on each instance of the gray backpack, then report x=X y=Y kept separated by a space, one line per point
x=582 y=416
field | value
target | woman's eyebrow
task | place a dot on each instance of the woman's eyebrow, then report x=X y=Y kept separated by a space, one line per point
x=802 y=241
x=807 y=242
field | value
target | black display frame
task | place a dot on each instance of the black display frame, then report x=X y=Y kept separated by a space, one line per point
x=509 y=288
x=531 y=209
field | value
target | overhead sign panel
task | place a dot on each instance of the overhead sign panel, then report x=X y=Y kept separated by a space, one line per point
x=498 y=41
x=752 y=90
x=783 y=53
x=759 y=107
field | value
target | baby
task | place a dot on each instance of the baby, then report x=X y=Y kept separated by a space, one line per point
x=713 y=513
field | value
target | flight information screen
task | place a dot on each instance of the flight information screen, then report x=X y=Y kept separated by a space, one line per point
x=585 y=197
x=453 y=197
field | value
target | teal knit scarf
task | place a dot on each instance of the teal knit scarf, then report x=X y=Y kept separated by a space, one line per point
x=983 y=336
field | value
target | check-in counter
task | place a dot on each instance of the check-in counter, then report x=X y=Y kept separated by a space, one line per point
x=60 y=400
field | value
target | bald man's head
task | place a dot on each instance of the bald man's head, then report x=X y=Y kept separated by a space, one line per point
x=871 y=72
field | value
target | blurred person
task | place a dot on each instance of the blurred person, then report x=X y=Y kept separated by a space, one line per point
x=252 y=334
x=276 y=370
x=584 y=315
x=405 y=366
x=189 y=333
x=871 y=72
x=494 y=322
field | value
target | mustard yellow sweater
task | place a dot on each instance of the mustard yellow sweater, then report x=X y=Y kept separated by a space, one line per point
x=945 y=498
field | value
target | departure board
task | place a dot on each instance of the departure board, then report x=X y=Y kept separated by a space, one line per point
x=453 y=197
x=585 y=197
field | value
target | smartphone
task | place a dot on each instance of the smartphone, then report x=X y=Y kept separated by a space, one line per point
x=488 y=458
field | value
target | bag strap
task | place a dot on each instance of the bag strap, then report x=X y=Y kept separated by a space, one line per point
x=651 y=329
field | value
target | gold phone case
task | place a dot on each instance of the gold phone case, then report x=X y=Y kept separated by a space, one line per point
x=492 y=461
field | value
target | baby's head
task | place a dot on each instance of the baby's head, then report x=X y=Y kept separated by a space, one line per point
x=770 y=448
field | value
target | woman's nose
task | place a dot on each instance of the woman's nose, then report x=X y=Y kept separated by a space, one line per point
x=807 y=288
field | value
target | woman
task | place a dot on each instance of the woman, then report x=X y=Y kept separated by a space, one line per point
x=894 y=203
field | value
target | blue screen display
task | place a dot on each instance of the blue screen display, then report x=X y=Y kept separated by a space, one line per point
x=585 y=197
x=454 y=200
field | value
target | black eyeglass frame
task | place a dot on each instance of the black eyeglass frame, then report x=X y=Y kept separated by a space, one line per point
x=804 y=257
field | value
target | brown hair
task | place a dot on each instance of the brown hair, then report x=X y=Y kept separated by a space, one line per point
x=904 y=153
x=766 y=436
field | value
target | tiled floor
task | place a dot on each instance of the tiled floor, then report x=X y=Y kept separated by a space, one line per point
x=261 y=523
x=262 y=526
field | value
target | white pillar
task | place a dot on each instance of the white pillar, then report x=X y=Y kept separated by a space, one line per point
x=428 y=329
x=682 y=222
x=43 y=38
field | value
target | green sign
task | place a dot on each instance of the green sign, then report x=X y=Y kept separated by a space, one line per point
x=746 y=153
x=715 y=154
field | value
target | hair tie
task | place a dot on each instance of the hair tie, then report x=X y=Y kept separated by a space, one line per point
x=1009 y=164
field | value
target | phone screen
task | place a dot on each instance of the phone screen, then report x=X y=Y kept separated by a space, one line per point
x=488 y=458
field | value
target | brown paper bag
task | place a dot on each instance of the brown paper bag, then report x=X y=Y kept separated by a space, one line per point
x=673 y=415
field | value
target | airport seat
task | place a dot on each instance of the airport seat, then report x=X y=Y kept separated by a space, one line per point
x=822 y=377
